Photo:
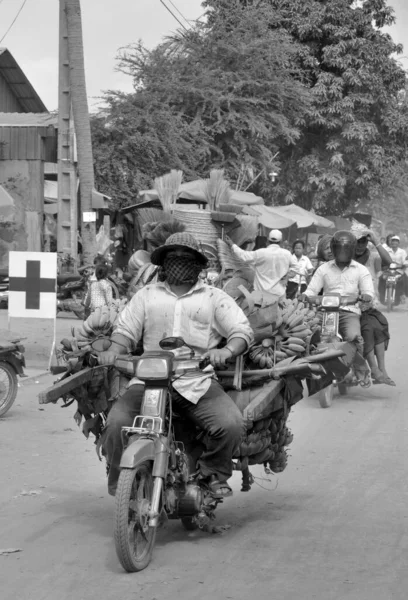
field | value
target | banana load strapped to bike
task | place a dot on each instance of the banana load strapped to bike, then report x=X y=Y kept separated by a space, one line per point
x=158 y=466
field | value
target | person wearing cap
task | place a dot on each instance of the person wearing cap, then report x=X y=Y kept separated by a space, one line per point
x=271 y=264
x=181 y=305
x=399 y=257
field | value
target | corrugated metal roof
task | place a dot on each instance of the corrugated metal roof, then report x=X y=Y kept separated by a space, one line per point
x=19 y=84
x=27 y=119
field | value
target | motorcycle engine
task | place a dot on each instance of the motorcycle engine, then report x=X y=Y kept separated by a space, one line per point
x=190 y=500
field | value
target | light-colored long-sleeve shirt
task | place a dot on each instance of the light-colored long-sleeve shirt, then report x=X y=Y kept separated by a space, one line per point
x=354 y=280
x=271 y=265
x=202 y=317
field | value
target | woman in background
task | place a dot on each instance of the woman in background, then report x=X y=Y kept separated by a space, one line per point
x=99 y=291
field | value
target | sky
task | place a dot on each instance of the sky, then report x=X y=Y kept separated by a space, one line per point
x=107 y=26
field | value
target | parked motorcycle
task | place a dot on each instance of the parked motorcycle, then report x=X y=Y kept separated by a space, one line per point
x=330 y=306
x=392 y=276
x=4 y=288
x=12 y=363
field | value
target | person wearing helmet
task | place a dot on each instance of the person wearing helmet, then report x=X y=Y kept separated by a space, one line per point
x=181 y=305
x=343 y=275
x=272 y=265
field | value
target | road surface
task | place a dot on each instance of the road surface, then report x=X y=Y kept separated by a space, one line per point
x=333 y=526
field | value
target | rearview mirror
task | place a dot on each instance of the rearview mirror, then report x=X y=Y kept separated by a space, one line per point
x=172 y=343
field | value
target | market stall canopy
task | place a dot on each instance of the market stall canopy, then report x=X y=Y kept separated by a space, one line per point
x=268 y=217
x=194 y=191
x=302 y=217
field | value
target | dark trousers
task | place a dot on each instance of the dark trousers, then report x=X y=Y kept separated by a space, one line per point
x=215 y=413
x=292 y=289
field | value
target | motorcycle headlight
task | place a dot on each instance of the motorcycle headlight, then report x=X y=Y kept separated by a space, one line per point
x=154 y=368
x=331 y=301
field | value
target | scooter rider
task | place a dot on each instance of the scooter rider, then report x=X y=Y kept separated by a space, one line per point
x=399 y=257
x=180 y=304
x=344 y=276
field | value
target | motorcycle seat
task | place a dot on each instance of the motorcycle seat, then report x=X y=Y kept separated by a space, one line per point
x=67 y=277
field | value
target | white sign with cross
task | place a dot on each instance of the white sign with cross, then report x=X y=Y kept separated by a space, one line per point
x=33 y=285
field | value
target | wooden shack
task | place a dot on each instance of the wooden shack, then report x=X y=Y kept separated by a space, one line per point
x=28 y=139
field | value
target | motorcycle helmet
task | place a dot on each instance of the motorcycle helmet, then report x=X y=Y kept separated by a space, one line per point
x=343 y=246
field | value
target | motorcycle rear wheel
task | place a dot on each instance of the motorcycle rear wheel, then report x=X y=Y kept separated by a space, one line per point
x=134 y=538
x=326 y=396
x=389 y=301
x=8 y=387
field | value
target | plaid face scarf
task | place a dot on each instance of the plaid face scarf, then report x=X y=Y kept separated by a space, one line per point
x=180 y=269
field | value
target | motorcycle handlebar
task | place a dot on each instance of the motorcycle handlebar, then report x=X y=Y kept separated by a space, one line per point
x=344 y=300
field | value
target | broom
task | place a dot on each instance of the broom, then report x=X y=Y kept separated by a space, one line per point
x=167 y=188
x=217 y=189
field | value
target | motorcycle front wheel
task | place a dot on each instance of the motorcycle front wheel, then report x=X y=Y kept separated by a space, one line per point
x=389 y=300
x=134 y=538
x=8 y=387
x=326 y=396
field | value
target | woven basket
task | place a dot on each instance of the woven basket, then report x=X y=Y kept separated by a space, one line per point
x=199 y=224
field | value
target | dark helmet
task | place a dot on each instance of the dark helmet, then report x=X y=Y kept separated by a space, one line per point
x=343 y=246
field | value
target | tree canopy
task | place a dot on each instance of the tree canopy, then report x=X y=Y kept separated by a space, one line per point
x=310 y=88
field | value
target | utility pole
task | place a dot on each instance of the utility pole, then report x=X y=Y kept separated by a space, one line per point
x=72 y=55
x=67 y=225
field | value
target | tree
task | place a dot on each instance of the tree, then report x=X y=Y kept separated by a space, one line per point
x=226 y=94
x=81 y=122
x=136 y=138
x=355 y=135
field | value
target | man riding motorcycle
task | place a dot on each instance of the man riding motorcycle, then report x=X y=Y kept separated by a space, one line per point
x=180 y=304
x=399 y=257
x=344 y=276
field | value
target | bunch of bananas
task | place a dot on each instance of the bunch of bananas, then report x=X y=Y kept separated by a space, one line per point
x=290 y=337
x=100 y=322
x=296 y=327
x=262 y=354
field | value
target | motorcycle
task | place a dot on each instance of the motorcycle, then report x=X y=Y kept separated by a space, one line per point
x=12 y=363
x=330 y=305
x=72 y=290
x=392 y=276
x=4 y=288
x=158 y=478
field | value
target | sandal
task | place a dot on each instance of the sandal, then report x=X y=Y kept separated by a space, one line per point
x=219 y=489
x=389 y=381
